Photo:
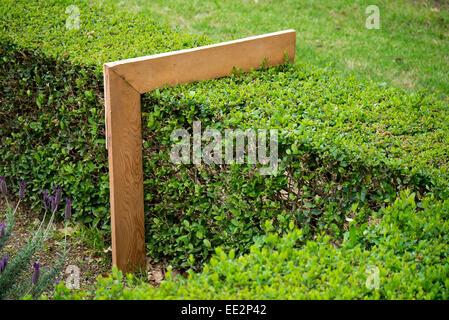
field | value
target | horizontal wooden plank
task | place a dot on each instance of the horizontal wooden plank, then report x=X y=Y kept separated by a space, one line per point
x=218 y=60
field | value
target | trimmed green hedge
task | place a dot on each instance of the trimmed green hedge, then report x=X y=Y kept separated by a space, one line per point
x=405 y=255
x=52 y=109
x=343 y=143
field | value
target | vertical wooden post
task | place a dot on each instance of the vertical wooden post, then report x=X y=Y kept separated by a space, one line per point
x=124 y=139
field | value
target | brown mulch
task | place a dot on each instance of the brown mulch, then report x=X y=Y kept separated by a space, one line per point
x=90 y=262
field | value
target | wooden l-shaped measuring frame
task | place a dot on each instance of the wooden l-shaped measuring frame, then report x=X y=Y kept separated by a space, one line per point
x=124 y=82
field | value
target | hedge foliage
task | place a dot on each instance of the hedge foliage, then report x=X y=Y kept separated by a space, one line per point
x=403 y=254
x=344 y=145
x=105 y=34
x=52 y=109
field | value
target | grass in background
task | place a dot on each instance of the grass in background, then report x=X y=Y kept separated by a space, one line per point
x=410 y=50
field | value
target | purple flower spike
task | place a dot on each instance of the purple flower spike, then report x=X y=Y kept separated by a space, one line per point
x=53 y=203
x=3 y=187
x=46 y=200
x=58 y=195
x=22 y=189
x=2 y=230
x=36 y=272
x=68 y=209
x=3 y=263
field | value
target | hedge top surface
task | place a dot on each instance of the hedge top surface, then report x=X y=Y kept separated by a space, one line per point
x=104 y=34
x=351 y=121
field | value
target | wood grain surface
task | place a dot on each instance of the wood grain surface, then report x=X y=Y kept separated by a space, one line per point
x=125 y=173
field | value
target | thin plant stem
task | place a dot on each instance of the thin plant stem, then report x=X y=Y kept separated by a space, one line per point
x=49 y=223
x=17 y=206
x=42 y=222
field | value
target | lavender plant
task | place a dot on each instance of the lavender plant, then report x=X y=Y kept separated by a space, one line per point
x=14 y=283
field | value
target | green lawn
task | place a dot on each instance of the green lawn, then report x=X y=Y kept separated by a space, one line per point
x=410 y=50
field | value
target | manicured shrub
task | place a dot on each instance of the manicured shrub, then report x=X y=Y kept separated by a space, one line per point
x=402 y=254
x=343 y=143
x=52 y=108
